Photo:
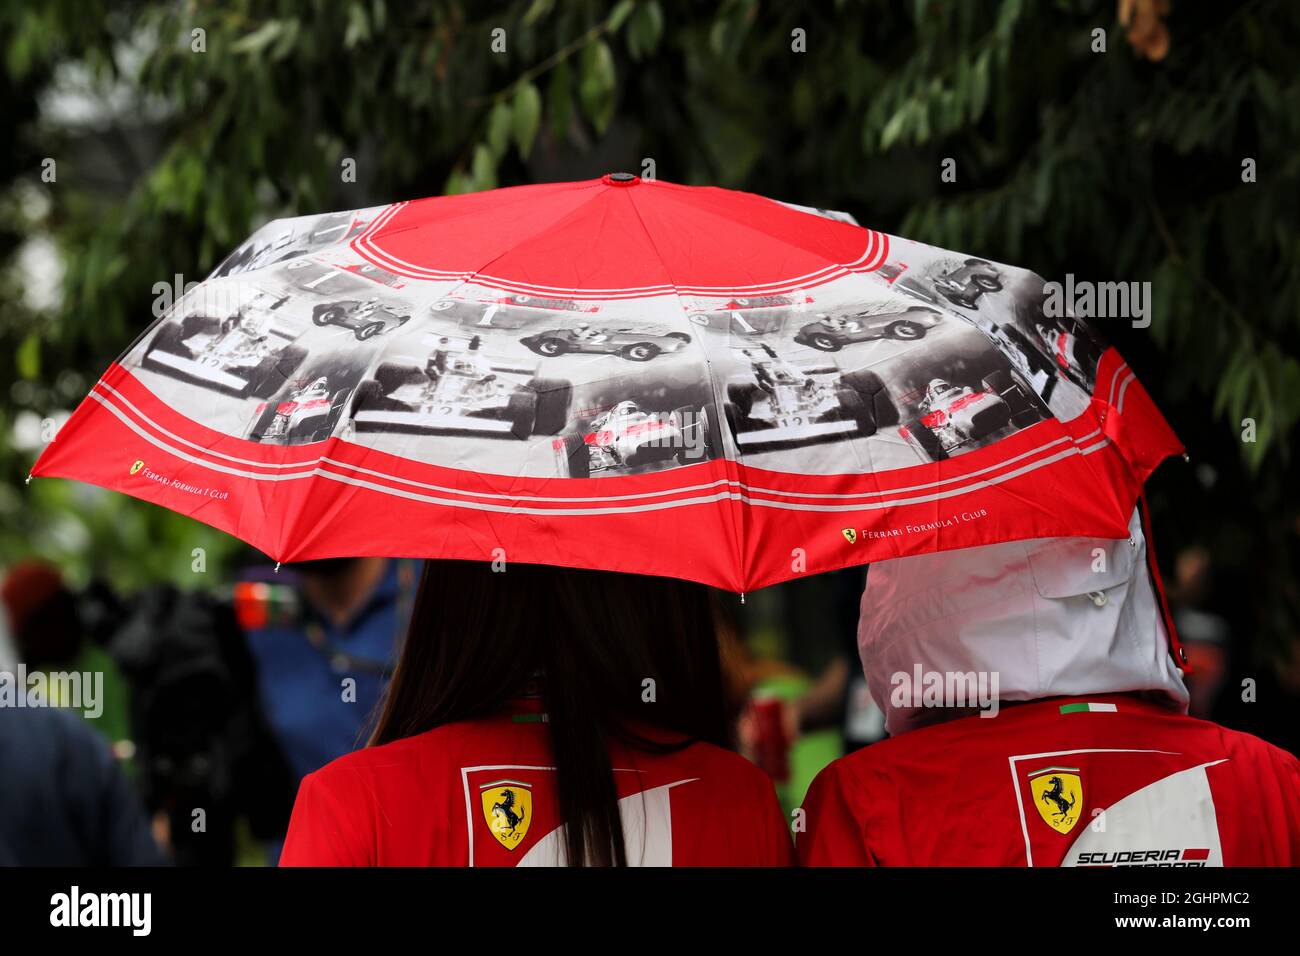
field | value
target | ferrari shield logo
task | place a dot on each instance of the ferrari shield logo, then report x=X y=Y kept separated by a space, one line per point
x=136 y=466
x=508 y=810
x=1058 y=795
x=850 y=535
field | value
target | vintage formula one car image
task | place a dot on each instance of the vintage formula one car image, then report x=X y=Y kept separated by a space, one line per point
x=636 y=344
x=461 y=389
x=831 y=332
x=890 y=271
x=955 y=417
x=365 y=317
x=247 y=352
x=1030 y=362
x=1050 y=352
x=287 y=238
x=752 y=316
x=626 y=439
x=306 y=414
x=1074 y=349
x=336 y=280
x=310 y=406
x=778 y=403
x=961 y=286
x=964 y=286
x=509 y=314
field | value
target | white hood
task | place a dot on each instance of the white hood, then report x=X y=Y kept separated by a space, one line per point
x=1050 y=617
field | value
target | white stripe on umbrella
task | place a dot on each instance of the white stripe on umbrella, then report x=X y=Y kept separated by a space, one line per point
x=319 y=471
x=872 y=258
x=743 y=486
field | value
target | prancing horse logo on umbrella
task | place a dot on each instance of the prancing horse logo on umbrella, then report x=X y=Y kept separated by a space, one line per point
x=508 y=810
x=1058 y=795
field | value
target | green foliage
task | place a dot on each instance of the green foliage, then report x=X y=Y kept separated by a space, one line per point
x=1100 y=164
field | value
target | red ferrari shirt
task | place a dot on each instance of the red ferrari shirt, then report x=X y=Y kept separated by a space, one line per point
x=482 y=793
x=1084 y=781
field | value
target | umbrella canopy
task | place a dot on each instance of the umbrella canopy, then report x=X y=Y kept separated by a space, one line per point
x=622 y=374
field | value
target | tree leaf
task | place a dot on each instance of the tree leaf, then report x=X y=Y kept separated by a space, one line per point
x=618 y=15
x=500 y=123
x=527 y=117
x=27 y=357
x=259 y=39
x=596 y=87
x=645 y=29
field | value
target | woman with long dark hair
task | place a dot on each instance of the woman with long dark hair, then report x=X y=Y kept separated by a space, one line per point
x=547 y=716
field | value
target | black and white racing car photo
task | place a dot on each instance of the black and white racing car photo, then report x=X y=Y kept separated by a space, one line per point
x=631 y=343
x=1073 y=350
x=307 y=414
x=627 y=439
x=955 y=416
x=830 y=333
x=365 y=317
x=337 y=280
x=752 y=315
x=460 y=389
x=295 y=239
x=964 y=286
x=510 y=313
x=961 y=286
x=246 y=353
x=780 y=403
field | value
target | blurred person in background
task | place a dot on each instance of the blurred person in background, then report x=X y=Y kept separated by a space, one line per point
x=322 y=666
x=547 y=717
x=50 y=635
x=1076 y=751
x=8 y=652
x=209 y=767
x=64 y=800
x=350 y=616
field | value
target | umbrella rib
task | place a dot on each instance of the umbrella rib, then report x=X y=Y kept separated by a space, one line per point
x=697 y=209
x=317 y=526
x=740 y=510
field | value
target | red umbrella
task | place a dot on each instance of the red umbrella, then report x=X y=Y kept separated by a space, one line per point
x=622 y=374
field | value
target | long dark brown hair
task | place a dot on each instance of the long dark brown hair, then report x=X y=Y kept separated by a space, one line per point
x=588 y=641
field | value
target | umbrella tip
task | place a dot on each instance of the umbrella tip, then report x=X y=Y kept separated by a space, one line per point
x=277 y=567
x=742 y=597
x=1187 y=458
x=29 y=480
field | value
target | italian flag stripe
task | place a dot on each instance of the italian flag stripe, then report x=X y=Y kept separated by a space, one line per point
x=1088 y=708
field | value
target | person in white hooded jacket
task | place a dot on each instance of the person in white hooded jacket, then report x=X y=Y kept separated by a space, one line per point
x=1038 y=718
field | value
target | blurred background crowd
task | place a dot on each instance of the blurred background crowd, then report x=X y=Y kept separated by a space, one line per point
x=147 y=139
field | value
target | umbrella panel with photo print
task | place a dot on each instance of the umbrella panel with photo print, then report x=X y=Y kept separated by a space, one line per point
x=622 y=374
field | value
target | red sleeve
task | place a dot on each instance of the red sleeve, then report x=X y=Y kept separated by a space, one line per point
x=331 y=823
x=833 y=835
x=1288 y=775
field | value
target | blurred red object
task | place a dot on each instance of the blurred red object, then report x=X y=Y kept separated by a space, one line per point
x=772 y=745
x=27 y=587
x=259 y=605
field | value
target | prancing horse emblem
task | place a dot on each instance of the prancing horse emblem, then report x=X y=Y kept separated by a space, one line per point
x=507 y=810
x=1058 y=795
